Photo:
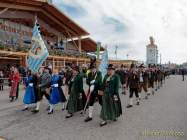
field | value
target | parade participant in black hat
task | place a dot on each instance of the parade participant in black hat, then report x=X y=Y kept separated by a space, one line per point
x=44 y=84
x=111 y=105
x=159 y=76
x=76 y=101
x=133 y=85
x=182 y=72
x=123 y=78
x=94 y=81
x=143 y=75
x=67 y=76
x=151 y=79
x=155 y=77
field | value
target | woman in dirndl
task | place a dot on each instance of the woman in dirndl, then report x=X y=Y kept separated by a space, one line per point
x=111 y=103
x=15 y=79
x=30 y=92
x=56 y=92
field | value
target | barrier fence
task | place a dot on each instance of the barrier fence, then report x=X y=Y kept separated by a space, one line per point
x=6 y=81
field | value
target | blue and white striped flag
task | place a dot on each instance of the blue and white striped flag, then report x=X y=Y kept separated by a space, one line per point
x=38 y=52
x=104 y=63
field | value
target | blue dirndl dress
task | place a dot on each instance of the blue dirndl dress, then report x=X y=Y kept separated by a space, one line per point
x=56 y=95
x=29 y=97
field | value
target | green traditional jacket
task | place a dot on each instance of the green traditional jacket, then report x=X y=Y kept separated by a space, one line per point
x=76 y=91
x=111 y=85
x=98 y=80
x=111 y=106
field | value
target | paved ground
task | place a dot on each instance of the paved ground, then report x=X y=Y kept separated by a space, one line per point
x=164 y=112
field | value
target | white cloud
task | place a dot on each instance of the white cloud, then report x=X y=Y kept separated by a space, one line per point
x=166 y=20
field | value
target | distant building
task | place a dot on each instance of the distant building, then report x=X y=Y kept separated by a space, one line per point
x=152 y=53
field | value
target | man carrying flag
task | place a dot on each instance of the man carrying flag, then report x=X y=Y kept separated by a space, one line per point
x=36 y=56
x=94 y=80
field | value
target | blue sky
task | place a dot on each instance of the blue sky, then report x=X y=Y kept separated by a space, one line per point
x=129 y=24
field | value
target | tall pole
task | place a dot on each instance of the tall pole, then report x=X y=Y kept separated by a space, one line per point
x=116 y=49
x=160 y=59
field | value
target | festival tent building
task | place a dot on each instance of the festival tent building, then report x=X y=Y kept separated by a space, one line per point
x=66 y=41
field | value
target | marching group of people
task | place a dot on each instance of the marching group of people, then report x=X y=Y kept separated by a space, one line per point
x=105 y=90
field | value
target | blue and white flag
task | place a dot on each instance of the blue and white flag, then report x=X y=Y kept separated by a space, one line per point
x=104 y=63
x=38 y=52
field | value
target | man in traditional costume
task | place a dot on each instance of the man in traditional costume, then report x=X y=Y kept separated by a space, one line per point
x=159 y=77
x=94 y=81
x=156 y=78
x=182 y=72
x=75 y=102
x=122 y=74
x=1 y=80
x=67 y=78
x=133 y=85
x=143 y=75
x=111 y=103
x=151 y=79
x=44 y=84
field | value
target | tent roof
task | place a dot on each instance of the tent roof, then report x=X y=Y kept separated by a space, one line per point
x=48 y=13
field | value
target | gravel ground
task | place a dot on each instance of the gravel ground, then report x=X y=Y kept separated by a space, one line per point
x=162 y=113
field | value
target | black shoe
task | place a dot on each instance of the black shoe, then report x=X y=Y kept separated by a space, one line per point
x=124 y=93
x=69 y=116
x=129 y=106
x=51 y=112
x=88 y=119
x=114 y=120
x=138 y=103
x=148 y=94
x=12 y=99
x=25 y=109
x=146 y=97
x=35 y=111
x=103 y=123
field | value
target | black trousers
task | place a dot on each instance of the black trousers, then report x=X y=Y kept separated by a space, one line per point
x=93 y=98
x=40 y=94
x=182 y=77
x=133 y=91
x=1 y=87
x=17 y=92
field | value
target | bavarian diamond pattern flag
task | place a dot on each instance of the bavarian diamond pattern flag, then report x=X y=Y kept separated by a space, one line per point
x=104 y=63
x=38 y=52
